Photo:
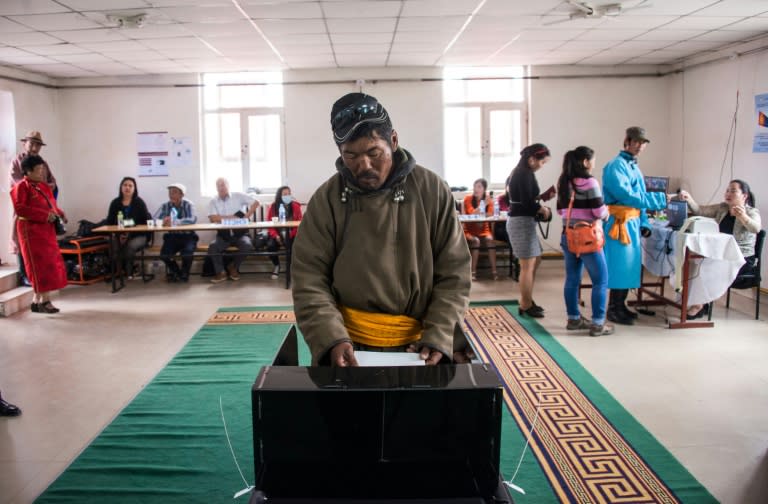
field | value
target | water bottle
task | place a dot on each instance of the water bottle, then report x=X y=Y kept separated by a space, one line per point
x=496 y=210
x=281 y=213
x=174 y=216
x=120 y=220
x=482 y=207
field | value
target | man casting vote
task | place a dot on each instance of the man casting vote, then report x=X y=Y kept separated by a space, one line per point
x=380 y=261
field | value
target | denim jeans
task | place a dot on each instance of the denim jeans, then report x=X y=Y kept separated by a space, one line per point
x=598 y=273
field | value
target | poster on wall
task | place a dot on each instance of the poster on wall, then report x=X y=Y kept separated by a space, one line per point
x=761 y=126
x=152 y=148
x=181 y=151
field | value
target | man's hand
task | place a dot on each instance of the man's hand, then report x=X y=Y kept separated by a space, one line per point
x=216 y=219
x=430 y=356
x=463 y=356
x=343 y=355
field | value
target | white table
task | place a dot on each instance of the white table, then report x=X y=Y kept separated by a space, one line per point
x=709 y=262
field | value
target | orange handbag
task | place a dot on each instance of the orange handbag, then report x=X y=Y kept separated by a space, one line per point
x=583 y=237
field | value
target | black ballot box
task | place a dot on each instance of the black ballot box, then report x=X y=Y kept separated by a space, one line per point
x=411 y=434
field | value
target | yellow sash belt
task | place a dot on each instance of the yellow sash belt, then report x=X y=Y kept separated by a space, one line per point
x=621 y=214
x=380 y=329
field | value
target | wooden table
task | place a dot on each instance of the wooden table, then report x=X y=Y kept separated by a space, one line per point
x=115 y=231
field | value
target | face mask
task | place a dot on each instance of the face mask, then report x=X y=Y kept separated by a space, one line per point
x=287 y=199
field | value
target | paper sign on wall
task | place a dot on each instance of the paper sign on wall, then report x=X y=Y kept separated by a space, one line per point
x=761 y=124
x=152 y=147
x=181 y=151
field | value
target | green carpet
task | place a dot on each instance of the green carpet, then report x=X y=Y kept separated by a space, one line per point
x=168 y=445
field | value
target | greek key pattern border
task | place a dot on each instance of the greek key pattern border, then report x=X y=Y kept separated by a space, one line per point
x=584 y=458
x=252 y=317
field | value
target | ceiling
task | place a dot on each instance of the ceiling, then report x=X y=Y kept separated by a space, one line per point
x=81 y=38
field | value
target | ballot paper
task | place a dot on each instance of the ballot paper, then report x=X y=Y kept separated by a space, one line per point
x=388 y=358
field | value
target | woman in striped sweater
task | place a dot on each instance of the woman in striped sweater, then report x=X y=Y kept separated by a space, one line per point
x=587 y=206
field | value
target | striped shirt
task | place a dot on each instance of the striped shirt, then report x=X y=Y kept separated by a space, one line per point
x=587 y=204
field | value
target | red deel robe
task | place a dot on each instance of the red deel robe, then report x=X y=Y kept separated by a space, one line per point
x=37 y=236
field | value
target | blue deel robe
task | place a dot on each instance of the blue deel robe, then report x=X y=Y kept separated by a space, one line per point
x=623 y=184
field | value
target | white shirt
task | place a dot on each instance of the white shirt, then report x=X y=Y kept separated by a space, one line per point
x=230 y=205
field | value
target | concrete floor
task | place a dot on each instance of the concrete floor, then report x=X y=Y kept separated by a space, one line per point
x=702 y=392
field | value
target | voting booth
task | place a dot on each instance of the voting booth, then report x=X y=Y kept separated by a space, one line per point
x=411 y=434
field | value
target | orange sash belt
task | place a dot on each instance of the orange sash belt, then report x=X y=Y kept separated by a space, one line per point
x=622 y=214
x=380 y=329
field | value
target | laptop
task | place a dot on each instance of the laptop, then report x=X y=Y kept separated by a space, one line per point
x=677 y=213
x=656 y=184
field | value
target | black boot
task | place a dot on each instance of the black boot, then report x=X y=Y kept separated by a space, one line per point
x=623 y=306
x=616 y=314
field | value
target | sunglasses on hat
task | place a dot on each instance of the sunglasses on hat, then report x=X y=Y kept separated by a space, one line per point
x=348 y=119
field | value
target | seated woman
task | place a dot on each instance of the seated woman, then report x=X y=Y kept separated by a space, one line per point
x=133 y=208
x=737 y=216
x=292 y=213
x=479 y=233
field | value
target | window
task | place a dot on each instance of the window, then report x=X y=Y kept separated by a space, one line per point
x=242 y=131
x=485 y=123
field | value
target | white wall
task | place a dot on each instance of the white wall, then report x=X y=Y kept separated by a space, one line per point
x=702 y=106
x=98 y=144
x=28 y=107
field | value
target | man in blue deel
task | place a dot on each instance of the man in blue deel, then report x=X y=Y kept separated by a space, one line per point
x=624 y=193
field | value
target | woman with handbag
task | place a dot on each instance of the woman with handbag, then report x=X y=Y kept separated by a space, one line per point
x=580 y=204
x=38 y=214
x=524 y=209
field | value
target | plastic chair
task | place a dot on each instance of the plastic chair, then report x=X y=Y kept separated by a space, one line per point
x=751 y=279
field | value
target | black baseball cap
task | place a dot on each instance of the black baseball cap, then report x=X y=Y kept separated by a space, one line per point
x=352 y=111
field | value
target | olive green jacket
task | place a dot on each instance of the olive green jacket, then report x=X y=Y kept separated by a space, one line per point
x=398 y=250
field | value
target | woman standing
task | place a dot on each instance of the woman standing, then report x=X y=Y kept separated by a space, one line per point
x=37 y=213
x=576 y=182
x=524 y=206
x=126 y=246
x=478 y=234
x=736 y=216
x=292 y=213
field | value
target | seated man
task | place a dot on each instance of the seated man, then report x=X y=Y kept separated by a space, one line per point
x=380 y=261
x=229 y=206
x=177 y=211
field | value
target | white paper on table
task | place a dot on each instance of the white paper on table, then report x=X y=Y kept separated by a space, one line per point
x=388 y=359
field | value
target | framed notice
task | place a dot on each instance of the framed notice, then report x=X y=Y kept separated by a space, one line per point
x=152 y=148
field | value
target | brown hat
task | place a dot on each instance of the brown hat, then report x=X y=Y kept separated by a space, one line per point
x=34 y=136
x=637 y=133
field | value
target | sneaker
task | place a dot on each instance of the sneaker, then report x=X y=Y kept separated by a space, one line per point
x=275 y=272
x=233 y=274
x=600 y=330
x=219 y=277
x=578 y=324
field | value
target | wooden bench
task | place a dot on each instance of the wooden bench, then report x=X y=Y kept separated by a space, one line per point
x=81 y=247
x=201 y=252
